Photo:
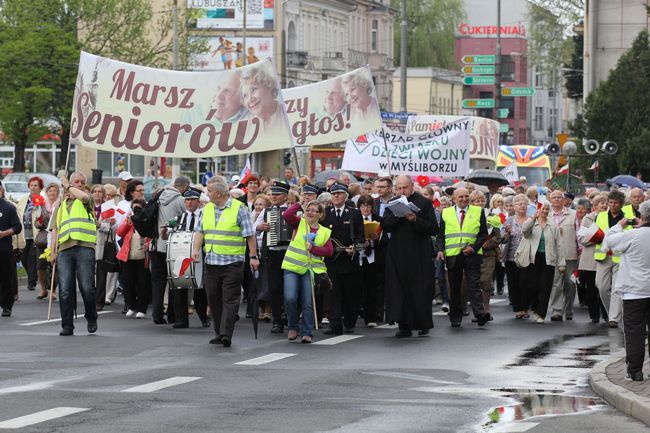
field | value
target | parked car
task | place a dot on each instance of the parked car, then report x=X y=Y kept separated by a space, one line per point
x=15 y=190
x=24 y=177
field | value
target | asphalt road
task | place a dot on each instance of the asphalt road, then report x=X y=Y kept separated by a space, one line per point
x=134 y=376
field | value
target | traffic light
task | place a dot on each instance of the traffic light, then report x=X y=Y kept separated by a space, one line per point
x=287 y=158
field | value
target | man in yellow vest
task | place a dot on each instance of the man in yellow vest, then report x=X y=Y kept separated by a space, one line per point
x=607 y=261
x=463 y=230
x=74 y=236
x=225 y=231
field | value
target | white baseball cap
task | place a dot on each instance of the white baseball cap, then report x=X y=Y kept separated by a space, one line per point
x=125 y=176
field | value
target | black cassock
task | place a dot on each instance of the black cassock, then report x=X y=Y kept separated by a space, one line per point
x=409 y=265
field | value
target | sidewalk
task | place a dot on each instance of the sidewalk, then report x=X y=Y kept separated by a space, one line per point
x=607 y=379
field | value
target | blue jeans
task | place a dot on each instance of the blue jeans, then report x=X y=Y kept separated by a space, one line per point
x=298 y=286
x=76 y=263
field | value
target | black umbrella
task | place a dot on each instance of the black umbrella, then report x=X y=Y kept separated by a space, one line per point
x=483 y=176
x=321 y=178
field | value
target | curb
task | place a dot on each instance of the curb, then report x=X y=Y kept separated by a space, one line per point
x=622 y=399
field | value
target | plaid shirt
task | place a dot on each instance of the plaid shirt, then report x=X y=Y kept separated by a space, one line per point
x=247 y=229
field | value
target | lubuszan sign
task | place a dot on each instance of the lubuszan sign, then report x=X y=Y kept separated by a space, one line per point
x=442 y=152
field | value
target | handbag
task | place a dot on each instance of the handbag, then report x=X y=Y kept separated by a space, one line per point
x=522 y=255
x=322 y=283
x=41 y=239
x=109 y=258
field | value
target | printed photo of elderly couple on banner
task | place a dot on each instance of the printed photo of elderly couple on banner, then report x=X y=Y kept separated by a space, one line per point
x=140 y=110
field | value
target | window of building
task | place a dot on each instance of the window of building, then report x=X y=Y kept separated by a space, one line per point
x=539 y=118
x=373 y=36
x=539 y=77
x=507 y=68
x=509 y=103
x=552 y=118
x=111 y=163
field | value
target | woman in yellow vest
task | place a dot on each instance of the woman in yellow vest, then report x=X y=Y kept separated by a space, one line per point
x=310 y=244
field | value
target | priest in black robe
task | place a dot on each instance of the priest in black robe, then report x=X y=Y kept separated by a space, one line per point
x=409 y=263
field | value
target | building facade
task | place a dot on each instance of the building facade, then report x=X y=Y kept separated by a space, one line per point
x=430 y=91
x=610 y=28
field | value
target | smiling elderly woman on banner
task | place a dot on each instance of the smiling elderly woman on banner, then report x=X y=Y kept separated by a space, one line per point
x=260 y=95
x=358 y=88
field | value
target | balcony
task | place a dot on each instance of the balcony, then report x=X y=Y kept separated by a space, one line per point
x=296 y=58
x=357 y=58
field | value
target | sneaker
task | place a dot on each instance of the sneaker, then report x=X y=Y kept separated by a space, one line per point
x=372 y=325
x=539 y=320
x=325 y=321
x=612 y=324
x=637 y=376
x=306 y=339
x=140 y=315
x=130 y=313
x=534 y=316
x=292 y=334
x=445 y=307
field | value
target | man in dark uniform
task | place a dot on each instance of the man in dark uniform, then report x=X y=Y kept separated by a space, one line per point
x=190 y=221
x=343 y=268
x=275 y=254
x=9 y=225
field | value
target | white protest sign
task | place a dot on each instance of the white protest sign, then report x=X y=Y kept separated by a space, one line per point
x=443 y=152
x=511 y=173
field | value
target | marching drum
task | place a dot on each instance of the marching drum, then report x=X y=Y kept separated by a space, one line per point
x=181 y=272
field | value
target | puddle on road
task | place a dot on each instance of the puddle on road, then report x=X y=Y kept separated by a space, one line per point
x=548 y=347
x=533 y=403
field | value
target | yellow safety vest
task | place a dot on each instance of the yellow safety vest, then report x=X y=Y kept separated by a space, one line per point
x=224 y=237
x=78 y=225
x=602 y=221
x=297 y=259
x=457 y=237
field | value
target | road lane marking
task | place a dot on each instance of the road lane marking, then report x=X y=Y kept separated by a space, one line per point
x=387 y=326
x=409 y=376
x=518 y=427
x=497 y=301
x=42 y=416
x=161 y=384
x=266 y=359
x=336 y=340
x=42 y=322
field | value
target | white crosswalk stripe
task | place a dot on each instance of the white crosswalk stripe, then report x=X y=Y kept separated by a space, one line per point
x=39 y=417
x=42 y=322
x=162 y=384
x=272 y=357
x=336 y=340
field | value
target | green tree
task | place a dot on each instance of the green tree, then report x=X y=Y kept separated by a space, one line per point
x=574 y=76
x=40 y=42
x=617 y=110
x=431 y=28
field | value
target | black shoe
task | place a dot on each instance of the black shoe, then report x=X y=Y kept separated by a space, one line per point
x=160 y=321
x=422 y=332
x=125 y=309
x=637 y=376
x=31 y=288
x=277 y=329
x=499 y=291
x=556 y=318
x=455 y=324
x=403 y=333
x=92 y=327
x=216 y=340
x=226 y=341
x=348 y=331
x=595 y=320
x=483 y=319
x=181 y=325
x=333 y=331
x=6 y=312
x=66 y=331
x=206 y=323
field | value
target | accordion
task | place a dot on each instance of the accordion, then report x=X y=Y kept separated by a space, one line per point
x=279 y=231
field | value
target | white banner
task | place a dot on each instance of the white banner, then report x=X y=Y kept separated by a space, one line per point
x=443 y=152
x=511 y=173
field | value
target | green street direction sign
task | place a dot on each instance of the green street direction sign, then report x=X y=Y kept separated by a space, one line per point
x=503 y=127
x=478 y=103
x=480 y=59
x=474 y=70
x=517 y=91
x=502 y=113
x=474 y=80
